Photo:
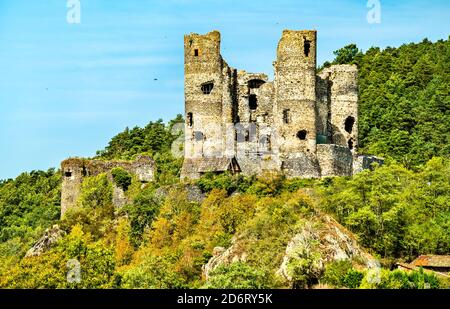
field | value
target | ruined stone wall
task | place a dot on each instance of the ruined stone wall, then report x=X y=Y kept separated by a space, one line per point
x=323 y=111
x=362 y=162
x=301 y=124
x=255 y=139
x=334 y=160
x=74 y=170
x=343 y=95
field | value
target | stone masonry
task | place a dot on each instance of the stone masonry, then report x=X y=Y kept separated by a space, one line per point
x=302 y=124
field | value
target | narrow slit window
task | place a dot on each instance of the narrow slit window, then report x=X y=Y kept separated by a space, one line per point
x=307 y=47
x=190 y=120
x=196 y=52
x=350 y=143
x=286 y=116
x=253 y=102
x=268 y=143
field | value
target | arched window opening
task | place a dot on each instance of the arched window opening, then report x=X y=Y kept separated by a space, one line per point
x=255 y=83
x=207 y=87
x=349 y=122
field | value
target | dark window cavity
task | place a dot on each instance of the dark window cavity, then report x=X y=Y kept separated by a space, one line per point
x=301 y=134
x=350 y=143
x=247 y=136
x=286 y=116
x=307 y=47
x=207 y=87
x=190 y=120
x=255 y=83
x=253 y=102
x=196 y=52
x=68 y=174
x=268 y=143
x=349 y=122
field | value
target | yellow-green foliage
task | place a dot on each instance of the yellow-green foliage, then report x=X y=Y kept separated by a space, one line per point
x=95 y=210
x=50 y=270
x=163 y=241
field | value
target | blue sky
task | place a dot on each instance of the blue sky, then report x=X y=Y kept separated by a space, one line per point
x=66 y=89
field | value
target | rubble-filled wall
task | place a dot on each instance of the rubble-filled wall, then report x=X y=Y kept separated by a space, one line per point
x=74 y=170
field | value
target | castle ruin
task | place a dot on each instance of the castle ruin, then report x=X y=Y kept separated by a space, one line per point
x=74 y=170
x=301 y=124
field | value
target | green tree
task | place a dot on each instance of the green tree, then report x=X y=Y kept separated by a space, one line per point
x=121 y=177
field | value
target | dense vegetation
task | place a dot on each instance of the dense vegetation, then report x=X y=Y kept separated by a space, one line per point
x=404 y=100
x=162 y=239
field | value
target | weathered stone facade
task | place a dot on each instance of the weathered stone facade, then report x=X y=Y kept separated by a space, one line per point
x=74 y=170
x=301 y=124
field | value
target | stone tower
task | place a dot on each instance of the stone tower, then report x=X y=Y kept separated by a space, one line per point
x=295 y=93
x=203 y=89
x=301 y=124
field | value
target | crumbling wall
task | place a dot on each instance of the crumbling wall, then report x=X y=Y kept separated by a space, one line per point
x=323 y=110
x=75 y=169
x=334 y=160
x=304 y=165
x=362 y=162
x=343 y=94
x=269 y=126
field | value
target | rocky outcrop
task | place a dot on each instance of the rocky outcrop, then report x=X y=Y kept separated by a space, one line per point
x=194 y=194
x=222 y=256
x=322 y=237
x=330 y=240
x=50 y=238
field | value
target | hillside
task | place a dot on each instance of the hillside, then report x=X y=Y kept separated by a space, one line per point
x=248 y=232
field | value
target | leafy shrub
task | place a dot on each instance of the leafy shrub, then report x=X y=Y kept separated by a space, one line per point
x=96 y=192
x=342 y=274
x=121 y=177
x=398 y=279
x=237 y=276
x=154 y=272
